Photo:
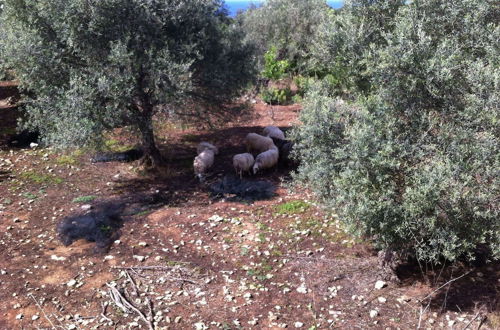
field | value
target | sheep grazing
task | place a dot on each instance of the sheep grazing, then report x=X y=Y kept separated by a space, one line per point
x=274 y=132
x=285 y=148
x=258 y=143
x=203 y=162
x=206 y=146
x=265 y=160
x=243 y=163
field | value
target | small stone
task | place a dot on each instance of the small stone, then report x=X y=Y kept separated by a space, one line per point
x=373 y=313
x=19 y=316
x=380 y=284
x=143 y=244
x=404 y=298
x=140 y=258
x=302 y=288
x=35 y=317
x=298 y=324
x=382 y=300
x=71 y=283
x=86 y=207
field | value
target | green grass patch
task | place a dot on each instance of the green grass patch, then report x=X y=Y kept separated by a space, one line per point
x=29 y=195
x=116 y=146
x=41 y=178
x=292 y=207
x=66 y=160
x=84 y=199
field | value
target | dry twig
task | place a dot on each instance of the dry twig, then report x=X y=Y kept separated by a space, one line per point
x=447 y=283
x=41 y=309
x=126 y=306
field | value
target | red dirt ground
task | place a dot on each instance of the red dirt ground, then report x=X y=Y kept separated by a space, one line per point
x=186 y=261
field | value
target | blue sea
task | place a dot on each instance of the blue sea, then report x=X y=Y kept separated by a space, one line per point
x=236 y=5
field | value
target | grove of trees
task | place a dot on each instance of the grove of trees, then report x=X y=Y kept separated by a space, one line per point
x=399 y=130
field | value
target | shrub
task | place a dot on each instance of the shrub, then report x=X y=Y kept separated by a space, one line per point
x=273 y=68
x=415 y=164
x=276 y=96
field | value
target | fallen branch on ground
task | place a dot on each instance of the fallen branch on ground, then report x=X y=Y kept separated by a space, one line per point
x=122 y=302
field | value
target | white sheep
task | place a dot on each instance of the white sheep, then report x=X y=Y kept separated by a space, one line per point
x=258 y=143
x=206 y=146
x=243 y=163
x=267 y=159
x=203 y=162
x=274 y=132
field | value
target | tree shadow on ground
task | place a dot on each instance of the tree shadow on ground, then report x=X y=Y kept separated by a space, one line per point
x=458 y=287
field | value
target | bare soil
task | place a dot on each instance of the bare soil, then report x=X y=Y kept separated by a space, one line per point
x=186 y=261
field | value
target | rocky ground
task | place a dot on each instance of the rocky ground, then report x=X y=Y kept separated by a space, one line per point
x=180 y=259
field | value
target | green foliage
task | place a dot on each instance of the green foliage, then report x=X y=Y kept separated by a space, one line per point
x=342 y=43
x=292 y=207
x=273 y=68
x=286 y=24
x=415 y=163
x=275 y=95
x=89 y=66
x=84 y=199
x=40 y=178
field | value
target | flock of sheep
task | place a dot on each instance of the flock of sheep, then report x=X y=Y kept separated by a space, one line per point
x=268 y=147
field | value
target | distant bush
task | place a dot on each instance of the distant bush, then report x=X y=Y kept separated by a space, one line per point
x=276 y=96
x=273 y=68
x=286 y=24
x=414 y=164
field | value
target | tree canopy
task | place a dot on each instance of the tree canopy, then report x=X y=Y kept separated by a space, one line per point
x=91 y=65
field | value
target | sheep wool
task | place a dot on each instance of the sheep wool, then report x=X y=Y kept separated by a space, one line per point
x=243 y=163
x=203 y=162
x=258 y=143
x=265 y=160
x=274 y=132
x=206 y=146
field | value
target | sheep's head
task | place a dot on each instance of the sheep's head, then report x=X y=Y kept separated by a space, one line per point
x=256 y=168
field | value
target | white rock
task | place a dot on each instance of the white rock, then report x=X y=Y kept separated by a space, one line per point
x=380 y=284
x=382 y=300
x=298 y=324
x=140 y=258
x=373 y=313
x=71 y=283
x=19 y=316
x=143 y=244
x=86 y=207
x=35 y=317
x=302 y=288
x=33 y=145
x=200 y=326
x=54 y=257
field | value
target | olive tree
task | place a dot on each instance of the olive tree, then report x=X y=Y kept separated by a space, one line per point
x=287 y=25
x=415 y=164
x=344 y=41
x=92 y=65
